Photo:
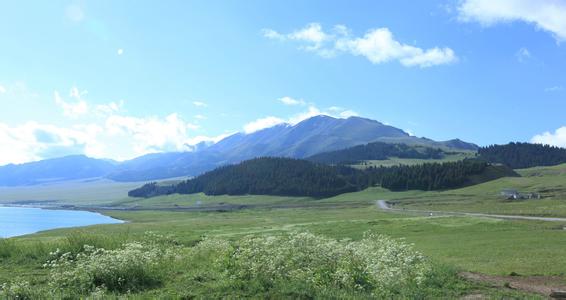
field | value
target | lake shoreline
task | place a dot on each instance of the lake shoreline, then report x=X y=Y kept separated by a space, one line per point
x=21 y=220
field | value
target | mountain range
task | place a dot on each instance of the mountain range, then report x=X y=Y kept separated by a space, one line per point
x=312 y=136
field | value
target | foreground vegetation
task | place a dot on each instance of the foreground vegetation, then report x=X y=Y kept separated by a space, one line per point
x=448 y=244
x=294 y=265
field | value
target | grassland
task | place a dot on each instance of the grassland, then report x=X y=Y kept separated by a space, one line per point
x=473 y=244
x=549 y=182
x=482 y=245
x=79 y=192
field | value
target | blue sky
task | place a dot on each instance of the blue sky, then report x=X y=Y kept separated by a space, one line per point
x=119 y=79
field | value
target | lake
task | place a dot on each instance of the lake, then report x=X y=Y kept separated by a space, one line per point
x=16 y=221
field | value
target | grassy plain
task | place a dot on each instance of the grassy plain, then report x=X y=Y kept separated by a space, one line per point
x=474 y=244
x=499 y=247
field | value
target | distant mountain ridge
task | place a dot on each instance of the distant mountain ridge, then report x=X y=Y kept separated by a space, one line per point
x=309 y=137
x=56 y=169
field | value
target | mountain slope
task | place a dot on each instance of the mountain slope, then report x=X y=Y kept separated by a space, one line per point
x=376 y=151
x=309 y=137
x=57 y=169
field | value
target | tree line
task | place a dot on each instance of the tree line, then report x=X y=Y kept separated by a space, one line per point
x=295 y=177
x=376 y=151
x=523 y=155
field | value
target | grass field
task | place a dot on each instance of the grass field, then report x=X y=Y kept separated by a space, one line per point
x=473 y=244
x=80 y=192
x=482 y=245
x=549 y=182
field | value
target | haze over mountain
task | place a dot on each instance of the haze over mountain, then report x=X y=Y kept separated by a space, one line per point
x=312 y=136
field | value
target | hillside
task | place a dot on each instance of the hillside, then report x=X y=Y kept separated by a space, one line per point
x=376 y=151
x=523 y=155
x=293 y=177
x=265 y=176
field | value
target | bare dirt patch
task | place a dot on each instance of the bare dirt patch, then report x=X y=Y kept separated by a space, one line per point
x=543 y=285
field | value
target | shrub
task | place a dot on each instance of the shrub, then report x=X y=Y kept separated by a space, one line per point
x=20 y=290
x=376 y=265
x=133 y=267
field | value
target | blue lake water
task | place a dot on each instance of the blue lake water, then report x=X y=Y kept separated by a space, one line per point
x=16 y=221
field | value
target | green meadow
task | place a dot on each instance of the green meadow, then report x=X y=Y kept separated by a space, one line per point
x=450 y=243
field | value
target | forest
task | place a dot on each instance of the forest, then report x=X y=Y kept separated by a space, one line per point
x=294 y=177
x=376 y=151
x=523 y=155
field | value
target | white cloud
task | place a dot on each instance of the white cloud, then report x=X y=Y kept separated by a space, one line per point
x=523 y=55
x=547 y=15
x=109 y=108
x=199 y=104
x=71 y=109
x=556 y=88
x=33 y=141
x=200 y=117
x=291 y=101
x=78 y=107
x=2 y=89
x=115 y=136
x=120 y=51
x=262 y=123
x=151 y=134
x=556 y=138
x=377 y=45
x=348 y=113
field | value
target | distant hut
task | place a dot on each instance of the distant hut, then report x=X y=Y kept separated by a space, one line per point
x=510 y=194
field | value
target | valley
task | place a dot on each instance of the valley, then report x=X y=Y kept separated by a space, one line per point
x=460 y=227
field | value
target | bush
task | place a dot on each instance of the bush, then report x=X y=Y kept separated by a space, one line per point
x=20 y=290
x=133 y=267
x=312 y=265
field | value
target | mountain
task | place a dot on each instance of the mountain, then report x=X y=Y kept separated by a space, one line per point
x=309 y=137
x=57 y=169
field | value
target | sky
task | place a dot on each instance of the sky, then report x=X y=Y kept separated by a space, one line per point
x=119 y=79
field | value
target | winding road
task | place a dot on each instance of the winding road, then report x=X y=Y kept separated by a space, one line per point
x=383 y=205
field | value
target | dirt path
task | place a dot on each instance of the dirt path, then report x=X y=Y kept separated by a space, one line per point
x=382 y=204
